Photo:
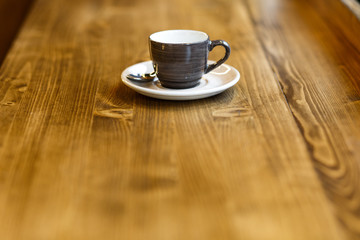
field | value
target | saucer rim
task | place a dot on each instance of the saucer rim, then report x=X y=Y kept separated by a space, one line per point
x=180 y=92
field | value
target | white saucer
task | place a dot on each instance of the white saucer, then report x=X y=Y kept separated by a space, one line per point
x=211 y=84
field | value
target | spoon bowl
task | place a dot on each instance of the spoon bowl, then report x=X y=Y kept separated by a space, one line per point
x=145 y=77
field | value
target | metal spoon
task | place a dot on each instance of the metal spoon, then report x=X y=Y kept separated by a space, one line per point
x=146 y=77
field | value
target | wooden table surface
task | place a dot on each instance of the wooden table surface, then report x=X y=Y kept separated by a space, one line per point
x=275 y=157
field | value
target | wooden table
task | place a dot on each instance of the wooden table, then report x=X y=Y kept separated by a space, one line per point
x=275 y=157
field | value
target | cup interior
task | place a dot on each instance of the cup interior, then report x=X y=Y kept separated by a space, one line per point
x=179 y=36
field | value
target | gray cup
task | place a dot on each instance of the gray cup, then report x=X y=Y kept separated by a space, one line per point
x=180 y=56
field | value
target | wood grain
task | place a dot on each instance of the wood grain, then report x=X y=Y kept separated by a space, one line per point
x=328 y=119
x=274 y=157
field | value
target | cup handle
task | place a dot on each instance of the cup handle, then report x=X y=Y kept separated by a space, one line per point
x=213 y=44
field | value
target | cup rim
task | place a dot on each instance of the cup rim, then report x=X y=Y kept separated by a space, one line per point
x=179 y=43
